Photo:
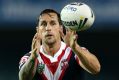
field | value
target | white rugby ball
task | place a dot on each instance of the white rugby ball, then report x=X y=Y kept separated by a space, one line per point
x=77 y=16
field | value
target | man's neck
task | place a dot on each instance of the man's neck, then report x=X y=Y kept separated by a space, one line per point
x=51 y=49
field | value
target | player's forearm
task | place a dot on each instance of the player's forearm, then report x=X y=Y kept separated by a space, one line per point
x=89 y=61
x=28 y=70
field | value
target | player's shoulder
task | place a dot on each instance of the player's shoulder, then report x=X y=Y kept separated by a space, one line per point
x=28 y=54
x=24 y=59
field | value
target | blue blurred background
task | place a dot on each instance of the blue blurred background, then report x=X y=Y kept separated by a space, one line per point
x=17 y=27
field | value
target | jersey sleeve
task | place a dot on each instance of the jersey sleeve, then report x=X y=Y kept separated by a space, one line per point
x=23 y=60
x=76 y=57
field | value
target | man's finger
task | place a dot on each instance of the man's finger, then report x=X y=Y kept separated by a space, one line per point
x=33 y=44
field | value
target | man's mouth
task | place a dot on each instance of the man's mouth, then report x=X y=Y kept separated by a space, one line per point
x=49 y=35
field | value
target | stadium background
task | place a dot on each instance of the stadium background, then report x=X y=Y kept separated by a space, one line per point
x=17 y=27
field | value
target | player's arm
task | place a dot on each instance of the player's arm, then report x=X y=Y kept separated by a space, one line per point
x=88 y=61
x=28 y=70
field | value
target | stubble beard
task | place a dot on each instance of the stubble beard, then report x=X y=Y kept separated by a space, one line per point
x=50 y=42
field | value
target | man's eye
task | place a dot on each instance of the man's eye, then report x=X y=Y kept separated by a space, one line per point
x=43 y=24
x=53 y=23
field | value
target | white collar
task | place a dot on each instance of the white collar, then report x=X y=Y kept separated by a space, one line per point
x=54 y=59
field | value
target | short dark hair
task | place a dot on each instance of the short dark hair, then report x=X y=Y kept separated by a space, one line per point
x=46 y=11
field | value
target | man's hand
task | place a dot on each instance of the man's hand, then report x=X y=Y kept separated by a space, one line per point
x=29 y=68
x=36 y=43
x=88 y=61
x=70 y=38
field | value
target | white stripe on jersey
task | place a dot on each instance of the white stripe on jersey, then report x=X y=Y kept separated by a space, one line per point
x=46 y=71
x=59 y=70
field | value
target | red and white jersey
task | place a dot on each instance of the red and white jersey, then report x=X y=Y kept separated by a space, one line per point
x=64 y=65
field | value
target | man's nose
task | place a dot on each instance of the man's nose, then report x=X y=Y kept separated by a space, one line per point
x=48 y=27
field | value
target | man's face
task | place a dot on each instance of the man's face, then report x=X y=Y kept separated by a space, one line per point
x=49 y=28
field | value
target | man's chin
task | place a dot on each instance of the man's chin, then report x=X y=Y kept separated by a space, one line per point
x=50 y=41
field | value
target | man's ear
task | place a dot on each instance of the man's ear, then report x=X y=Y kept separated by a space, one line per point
x=61 y=31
